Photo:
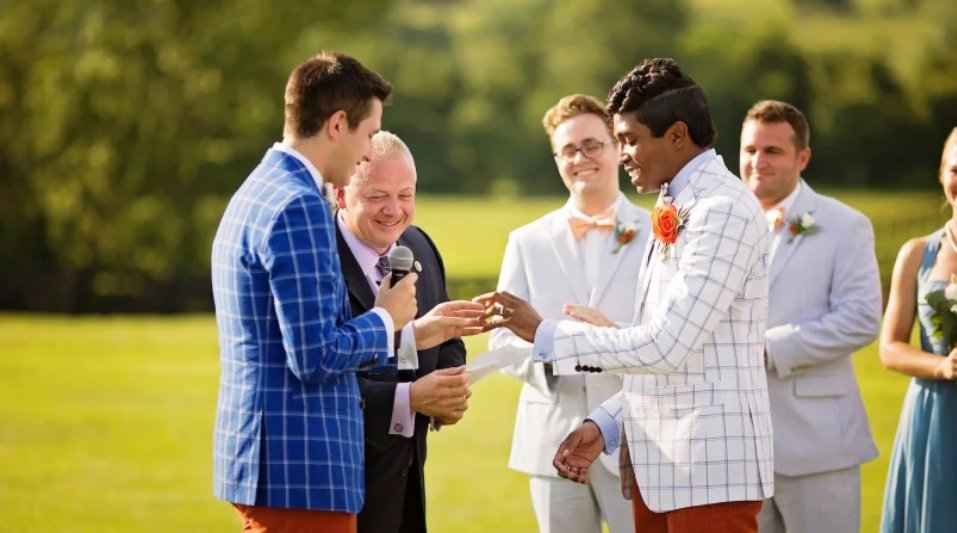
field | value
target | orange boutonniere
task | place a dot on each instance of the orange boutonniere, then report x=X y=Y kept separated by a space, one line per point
x=667 y=221
x=624 y=233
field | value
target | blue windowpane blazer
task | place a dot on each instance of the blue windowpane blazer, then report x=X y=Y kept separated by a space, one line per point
x=288 y=423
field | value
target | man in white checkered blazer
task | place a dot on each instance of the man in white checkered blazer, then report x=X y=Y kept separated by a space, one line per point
x=694 y=407
x=288 y=442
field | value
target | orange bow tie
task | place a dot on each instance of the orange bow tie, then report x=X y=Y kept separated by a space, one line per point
x=775 y=218
x=603 y=222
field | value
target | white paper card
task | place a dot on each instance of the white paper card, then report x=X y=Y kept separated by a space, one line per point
x=487 y=362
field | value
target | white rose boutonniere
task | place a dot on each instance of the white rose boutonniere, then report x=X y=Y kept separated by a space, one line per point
x=804 y=224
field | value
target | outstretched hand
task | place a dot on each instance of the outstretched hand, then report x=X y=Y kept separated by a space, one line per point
x=459 y=318
x=589 y=315
x=578 y=451
x=507 y=310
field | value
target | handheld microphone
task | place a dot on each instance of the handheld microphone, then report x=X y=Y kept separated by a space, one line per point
x=402 y=261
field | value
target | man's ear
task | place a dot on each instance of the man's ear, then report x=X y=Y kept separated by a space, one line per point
x=677 y=135
x=336 y=124
x=339 y=193
x=804 y=156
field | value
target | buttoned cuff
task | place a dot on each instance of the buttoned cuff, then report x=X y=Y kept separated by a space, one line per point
x=543 y=349
x=408 y=355
x=608 y=427
x=389 y=328
x=403 y=419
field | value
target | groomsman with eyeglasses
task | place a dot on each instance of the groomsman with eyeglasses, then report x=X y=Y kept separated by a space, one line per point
x=581 y=257
x=821 y=434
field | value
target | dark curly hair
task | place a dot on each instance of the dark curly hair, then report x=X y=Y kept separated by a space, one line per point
x=660 y=94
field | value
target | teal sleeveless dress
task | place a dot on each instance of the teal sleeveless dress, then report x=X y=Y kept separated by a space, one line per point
x=921 y=491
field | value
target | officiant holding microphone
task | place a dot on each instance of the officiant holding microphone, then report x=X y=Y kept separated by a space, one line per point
x=428 y=387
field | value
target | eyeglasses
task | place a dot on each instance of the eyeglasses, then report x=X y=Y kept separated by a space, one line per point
x=590 y=149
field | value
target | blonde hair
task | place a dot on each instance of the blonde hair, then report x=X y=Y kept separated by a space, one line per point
x=385 y=145
x=572 y=106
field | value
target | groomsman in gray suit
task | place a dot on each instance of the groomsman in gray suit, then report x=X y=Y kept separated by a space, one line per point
x=572 y=262
x=824 y=304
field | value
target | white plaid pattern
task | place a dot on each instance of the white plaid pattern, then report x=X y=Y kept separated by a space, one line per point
x=694 y=404
x=288 y=424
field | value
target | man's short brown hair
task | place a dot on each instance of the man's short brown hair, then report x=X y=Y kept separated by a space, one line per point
x=769 y=111
x=572 y=106
x=328 y=83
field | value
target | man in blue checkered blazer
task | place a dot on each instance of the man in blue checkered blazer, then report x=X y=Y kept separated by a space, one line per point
x=288 y=442
x=693 y=411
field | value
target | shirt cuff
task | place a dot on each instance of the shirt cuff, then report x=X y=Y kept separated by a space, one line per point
x=769 y=361
x=543 y=350
x=403 y=419
x=608 y=427
x=408 y=355
x=389 y=328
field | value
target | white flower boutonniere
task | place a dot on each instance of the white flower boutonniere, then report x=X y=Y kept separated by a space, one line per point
x=804 y=224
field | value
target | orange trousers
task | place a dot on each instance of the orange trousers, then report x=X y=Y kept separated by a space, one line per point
x=730 y=517
x=258 y=519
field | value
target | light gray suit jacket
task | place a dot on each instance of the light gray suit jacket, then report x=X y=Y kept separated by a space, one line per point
x=824 y=304
x=542 y=265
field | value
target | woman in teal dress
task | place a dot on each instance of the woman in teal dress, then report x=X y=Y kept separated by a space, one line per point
x=921 y=491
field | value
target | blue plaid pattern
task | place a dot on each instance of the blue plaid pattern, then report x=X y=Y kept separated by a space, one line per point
x=694 y=404
x=288 y=423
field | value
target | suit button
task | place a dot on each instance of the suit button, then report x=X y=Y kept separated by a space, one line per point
x=405 y=471
x=362 y=404
x=397 y=428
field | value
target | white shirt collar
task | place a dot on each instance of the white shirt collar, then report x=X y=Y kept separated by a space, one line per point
x=683 y=177
x=313 y=171
x=366 y=257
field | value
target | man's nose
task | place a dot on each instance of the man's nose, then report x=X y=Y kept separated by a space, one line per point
x=391 y=206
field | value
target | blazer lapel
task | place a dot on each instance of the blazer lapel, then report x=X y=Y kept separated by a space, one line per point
x=610 y=264
x=806 y=202
x=655 y=247
x=355 y=279
x=569 y=258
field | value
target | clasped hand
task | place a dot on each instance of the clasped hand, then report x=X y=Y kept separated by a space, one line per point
x=443 y=394
x=399 y=301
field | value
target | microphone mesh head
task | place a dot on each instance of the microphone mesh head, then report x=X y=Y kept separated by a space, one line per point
x=401 y=259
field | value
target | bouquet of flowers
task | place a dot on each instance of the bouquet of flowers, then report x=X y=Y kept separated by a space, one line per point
x=944 y=303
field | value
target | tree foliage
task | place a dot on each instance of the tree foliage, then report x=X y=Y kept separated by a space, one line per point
x=125 y=126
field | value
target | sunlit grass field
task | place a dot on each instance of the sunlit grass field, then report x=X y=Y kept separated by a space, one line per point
x=105 y=422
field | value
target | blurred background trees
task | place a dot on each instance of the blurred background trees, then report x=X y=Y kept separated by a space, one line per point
x=125 y=126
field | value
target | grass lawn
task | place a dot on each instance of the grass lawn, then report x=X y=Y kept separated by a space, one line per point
x=107 y=427
x=107 y=421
